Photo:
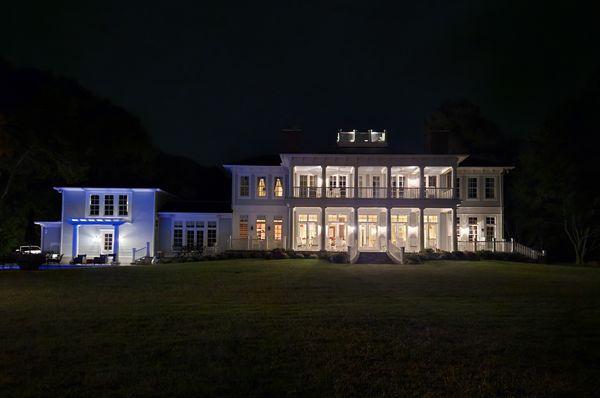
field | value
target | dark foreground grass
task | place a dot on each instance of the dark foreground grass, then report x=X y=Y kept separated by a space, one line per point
x=301 y=327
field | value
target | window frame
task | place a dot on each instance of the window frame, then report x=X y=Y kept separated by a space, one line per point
x=485 y=187
x=280 y=179
x=258 y=187
x=468 y=196
x=240 y=195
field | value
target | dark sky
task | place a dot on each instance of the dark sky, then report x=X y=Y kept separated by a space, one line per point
x=201 y=73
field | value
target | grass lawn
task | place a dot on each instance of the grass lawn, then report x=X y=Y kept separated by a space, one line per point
x=301 y=327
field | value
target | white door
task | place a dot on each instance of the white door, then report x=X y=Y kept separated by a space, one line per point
x=106 y=242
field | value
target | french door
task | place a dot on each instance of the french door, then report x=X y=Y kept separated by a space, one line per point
x=367 y=232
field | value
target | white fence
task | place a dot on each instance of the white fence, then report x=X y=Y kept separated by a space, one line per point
x=505 y=246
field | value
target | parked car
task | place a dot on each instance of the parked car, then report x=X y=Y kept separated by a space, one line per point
x=29 y=250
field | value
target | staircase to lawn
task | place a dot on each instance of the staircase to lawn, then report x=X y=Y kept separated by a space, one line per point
x=373 y=258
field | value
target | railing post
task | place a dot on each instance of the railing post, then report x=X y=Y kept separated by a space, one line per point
x=147 y=249
x=512 y=245
x=133 y=255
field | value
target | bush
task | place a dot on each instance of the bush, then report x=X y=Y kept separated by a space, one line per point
x=339 y=258
x=30 y=262
x=413 y=258
x=313 y=256
x=487 y=255
x=448 y=256
x=429 y=254
x=278 y=254
x=298 y=255
x=472 y=256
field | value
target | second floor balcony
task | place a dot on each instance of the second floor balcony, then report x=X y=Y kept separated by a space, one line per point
x=374 y=192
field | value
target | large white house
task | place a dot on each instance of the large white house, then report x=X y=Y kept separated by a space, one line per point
x=359 y=197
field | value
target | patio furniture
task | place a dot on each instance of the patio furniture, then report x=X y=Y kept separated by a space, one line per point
x=79 y=259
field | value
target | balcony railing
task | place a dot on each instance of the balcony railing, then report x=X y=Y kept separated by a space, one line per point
x=307 y=192
x=339 y=192
x=439 y=193
x=405 y=193
x=373 y=192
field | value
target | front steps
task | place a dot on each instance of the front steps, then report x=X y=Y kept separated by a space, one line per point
x=373 y=258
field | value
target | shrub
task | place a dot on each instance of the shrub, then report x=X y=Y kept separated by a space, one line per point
x=30 y=262
x=412 y=258
x=429 y=254
x=447 y=256
x=323 y=255
x=278 y=254
x=339 y=258
x=313 y=256
x=487 y=255
x=298 y=255
x=472 y=256
x=459 y=255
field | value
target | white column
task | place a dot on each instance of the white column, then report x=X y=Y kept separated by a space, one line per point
x=389 y=183
x=455 y=194
x=454 y=230
x=389 y=227
x=356 y=195
x=421 y=182
x=323 y=178
x=323 y=228
x=421 y=228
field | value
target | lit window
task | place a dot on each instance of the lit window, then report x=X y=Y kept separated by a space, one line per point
x=123 y=205
x=472 y=229
x=261 y=187
x=278 y=228
x=190 y=234
x=472 y=188
x=278 y=190
x=261 y=227
x=332 y=217
x=109 y=205
x=243 y=227
x=211 y=235
x=431 y=219
x=372 y=218
x=302 y=217
x=490 y=188
x=490 y=228
x=244 y=186
x=312 y=217
x=94 y=205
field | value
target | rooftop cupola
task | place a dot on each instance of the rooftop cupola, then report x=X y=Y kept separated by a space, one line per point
x=361 y=139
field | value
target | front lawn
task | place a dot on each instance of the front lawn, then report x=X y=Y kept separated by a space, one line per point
x=301 y=327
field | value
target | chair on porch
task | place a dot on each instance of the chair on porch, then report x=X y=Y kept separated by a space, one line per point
x=79 y=259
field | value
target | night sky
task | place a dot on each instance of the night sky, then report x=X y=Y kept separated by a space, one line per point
x=199 y=73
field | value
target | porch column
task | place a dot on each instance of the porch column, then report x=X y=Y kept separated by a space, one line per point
x=455 y=194
x=356 y=194
x=422 y=182
x=290 y=228
x=74 y=241
x=421 y=228
x=454 y=231
x=389 y=183
x=389 y=227
x=116 y=244
x=323 y=180
x=355 y=226
x=323 y=228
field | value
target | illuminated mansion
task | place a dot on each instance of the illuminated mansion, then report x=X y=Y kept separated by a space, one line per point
x=358 y=197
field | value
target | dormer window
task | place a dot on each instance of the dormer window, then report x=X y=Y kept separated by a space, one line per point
x=109 y=205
